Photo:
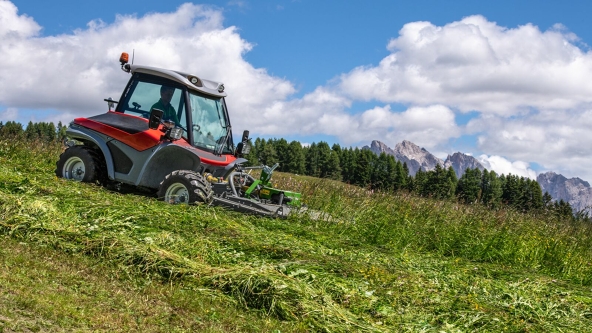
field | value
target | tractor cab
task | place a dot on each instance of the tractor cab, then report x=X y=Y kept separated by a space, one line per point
x=193 y=104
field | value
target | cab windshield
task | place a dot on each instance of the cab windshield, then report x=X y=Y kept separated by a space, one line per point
x=210 y=125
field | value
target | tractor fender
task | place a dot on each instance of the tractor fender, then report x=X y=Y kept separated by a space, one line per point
x=167 y=157
x=229 y=168
x=100 y=140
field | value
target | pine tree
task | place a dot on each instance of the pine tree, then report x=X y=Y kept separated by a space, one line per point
x=297 y=162
x=12 y=129
x=379 y=175
x=469 y=187
x=334 y=166
x=31 y=132
x=419 y=183
x=267 y=155
x=511 y=191
x=491 y=189
x=61 y=131
x=347 y=162
x=312 y=161
x=547 y=201
x=402 y=176
x=324 y=160
x=283 y=154
x=362 y=175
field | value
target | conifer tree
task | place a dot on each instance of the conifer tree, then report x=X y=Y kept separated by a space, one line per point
x=283 y=154
x=266 y=153
x=363 y=167
x=469 y=188
x=312 y=161
x=491 y=189
x=379 y=176
x=12 y=129
x=547 y=201
x=324 y=160
x=297 y=162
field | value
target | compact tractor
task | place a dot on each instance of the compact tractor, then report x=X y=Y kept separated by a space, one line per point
x=170 y=134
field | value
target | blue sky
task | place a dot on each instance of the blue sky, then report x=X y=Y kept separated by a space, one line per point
x=473 y=76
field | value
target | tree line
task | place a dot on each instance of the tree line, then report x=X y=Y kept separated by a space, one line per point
x=34 y=131
x=383 y=172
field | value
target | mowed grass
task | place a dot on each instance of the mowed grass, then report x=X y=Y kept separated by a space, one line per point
x=79 y=257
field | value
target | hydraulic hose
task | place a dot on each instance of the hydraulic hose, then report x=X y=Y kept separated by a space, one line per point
x=231 y=180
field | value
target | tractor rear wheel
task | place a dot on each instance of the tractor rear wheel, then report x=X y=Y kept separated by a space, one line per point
x=185 y=187
x=79 y=163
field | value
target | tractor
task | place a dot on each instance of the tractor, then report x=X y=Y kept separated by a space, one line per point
x=170 y=135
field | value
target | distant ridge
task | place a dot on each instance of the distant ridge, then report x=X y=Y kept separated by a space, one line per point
x=575 y=191
x=419 y=158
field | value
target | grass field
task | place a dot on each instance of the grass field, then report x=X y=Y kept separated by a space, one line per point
x=78 y=257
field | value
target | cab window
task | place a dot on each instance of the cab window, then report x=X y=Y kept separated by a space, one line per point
x=143 y=96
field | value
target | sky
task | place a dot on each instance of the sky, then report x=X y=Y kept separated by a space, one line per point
x=505 y=81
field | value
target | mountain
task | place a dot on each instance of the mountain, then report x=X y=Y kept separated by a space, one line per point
x=460 y=162
x=417 y=157
x=573 y=190
x=410 y=153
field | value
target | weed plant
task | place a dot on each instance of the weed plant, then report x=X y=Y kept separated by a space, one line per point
x=354 y=261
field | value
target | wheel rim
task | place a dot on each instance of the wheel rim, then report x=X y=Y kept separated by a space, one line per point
x=177 y=193
x=74 y=169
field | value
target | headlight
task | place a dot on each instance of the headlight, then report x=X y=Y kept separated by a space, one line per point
x=175 y=133
x=246 y=148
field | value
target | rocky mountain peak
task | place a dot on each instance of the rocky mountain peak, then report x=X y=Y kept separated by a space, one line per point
x=460 y=162
x=410 y=153
x=573 y=190
x=378 y=147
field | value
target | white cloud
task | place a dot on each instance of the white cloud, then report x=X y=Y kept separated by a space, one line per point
x=474 y=64
x=13 y=26
x=557 y=140
x=73 y=73
x=503 y=166
x=10 y=114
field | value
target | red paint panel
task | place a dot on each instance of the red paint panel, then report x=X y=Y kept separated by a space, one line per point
x=229 y=159
x=139 y=141
x=206 y=157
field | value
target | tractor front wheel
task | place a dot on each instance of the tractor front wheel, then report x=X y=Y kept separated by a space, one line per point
x=79 y=163
x=185 y=187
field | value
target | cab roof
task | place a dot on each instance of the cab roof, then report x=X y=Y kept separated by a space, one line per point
x=191 y=81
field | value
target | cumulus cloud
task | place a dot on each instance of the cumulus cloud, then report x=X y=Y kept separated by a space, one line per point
x=474 y=64
x=73 y=73
x=557 y=140
x=9 y=114
x=503 y=166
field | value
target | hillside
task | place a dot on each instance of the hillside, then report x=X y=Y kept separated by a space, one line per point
x=79 y=257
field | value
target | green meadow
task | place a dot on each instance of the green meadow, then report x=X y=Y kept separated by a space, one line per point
x=79 y=257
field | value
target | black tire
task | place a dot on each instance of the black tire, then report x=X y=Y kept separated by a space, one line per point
x=79 y=163
x=185 y=187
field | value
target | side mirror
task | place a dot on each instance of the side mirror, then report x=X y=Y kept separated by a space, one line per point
x=244 y=147
x=155 y=118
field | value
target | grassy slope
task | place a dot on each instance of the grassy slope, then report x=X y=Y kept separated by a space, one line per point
x=98 y=260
